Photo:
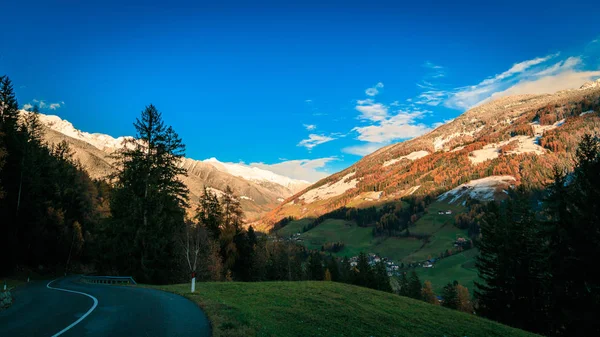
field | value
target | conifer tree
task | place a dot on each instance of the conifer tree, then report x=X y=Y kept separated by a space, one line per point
x=148 y=201
x=414 y=286
x=450 y=296
x=209 y=213
x=403 y=285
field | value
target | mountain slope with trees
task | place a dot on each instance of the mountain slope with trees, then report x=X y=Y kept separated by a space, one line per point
x=519 y=136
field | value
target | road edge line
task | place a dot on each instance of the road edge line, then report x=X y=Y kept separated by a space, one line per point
x=80 y=318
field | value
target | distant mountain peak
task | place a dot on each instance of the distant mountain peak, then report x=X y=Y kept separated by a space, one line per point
x=259 y=189
x=591 y=84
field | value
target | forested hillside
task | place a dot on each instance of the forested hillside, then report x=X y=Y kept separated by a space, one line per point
x=522 y=136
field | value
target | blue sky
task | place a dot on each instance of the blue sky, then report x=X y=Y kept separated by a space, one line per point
x=301 y=88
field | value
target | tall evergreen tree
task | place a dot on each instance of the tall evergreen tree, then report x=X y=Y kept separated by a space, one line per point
x=363 y=275
x=315 y=270
x=574 y=240
x=209 y=213
x=450 y=296
x=148 y=201
x=512 y=263
x=382 y=280
x=403 y=286
x=414 y=286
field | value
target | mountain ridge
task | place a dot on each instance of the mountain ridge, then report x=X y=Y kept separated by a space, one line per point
x=492 y=139
x=259 y=190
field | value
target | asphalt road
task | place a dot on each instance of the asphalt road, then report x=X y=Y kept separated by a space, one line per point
x=40 y=309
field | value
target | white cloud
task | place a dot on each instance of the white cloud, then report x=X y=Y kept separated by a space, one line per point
x=314 y=140
x=435 y=71
x=310 y=127
x=310 y=170
x=374 y=90
x=44 y=105
x=363 y=149
x=430 y=65
x=401 y=126
x=565 y=80
x=371 y=111
x=528 y=77
x=308 y=100
x=431 y=97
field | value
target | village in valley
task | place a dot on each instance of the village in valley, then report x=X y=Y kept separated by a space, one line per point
x=393 y=268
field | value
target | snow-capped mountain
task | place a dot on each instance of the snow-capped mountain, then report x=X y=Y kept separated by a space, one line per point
x=257 y=174
x=259 y=190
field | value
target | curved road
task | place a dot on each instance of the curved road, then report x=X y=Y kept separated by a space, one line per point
x=66 y=308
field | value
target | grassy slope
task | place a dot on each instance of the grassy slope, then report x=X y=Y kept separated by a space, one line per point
x=440 y=228
x=327 y=309
x=459 y=267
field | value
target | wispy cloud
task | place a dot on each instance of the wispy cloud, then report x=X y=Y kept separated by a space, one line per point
x=403 y=125
x=310 y=170
x=370 y=110
x=44 y=105
x=314 y=140
x=374 y=90
x=434 y=71
x=310 y=127
x=535 y=76
x=363 y=149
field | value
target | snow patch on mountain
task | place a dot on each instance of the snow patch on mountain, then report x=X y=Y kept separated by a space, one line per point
x=257 y=174
x=481 y=189
x=590 y=85
x=330 y=190
x=411 y=156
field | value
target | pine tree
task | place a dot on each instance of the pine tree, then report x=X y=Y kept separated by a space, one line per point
x=315 y=267
x=427 y=293
x=450 y=296
x=414 y=286
x=403 y=285
x=574 y=244
x=148 y=201
x=209 y=213
x=382 y=280
x=363 y=274
x=512 y=263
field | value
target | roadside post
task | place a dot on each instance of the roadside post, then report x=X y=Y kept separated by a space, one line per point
x=193 y=281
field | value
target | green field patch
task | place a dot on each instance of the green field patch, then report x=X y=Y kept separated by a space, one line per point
x=355 y=238
x=433 y=221
x=294 y=227
x=437 y=243
x=459 y=267
x=396 y=248
x=312 y=308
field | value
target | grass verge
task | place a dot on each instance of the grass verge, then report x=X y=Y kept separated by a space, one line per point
x=311 y=308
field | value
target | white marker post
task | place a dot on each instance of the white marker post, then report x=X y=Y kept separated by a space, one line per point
x=193 y=281
x=4 y=285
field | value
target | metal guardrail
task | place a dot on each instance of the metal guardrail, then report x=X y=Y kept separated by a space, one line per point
x=108 y=279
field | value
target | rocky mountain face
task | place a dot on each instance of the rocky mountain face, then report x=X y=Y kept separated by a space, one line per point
x=509 y=141
x=259 y=190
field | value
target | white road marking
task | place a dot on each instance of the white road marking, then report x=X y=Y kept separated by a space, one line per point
x=80 y=318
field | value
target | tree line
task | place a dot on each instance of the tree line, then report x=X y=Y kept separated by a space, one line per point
x=49 y=206
x=537 y=264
